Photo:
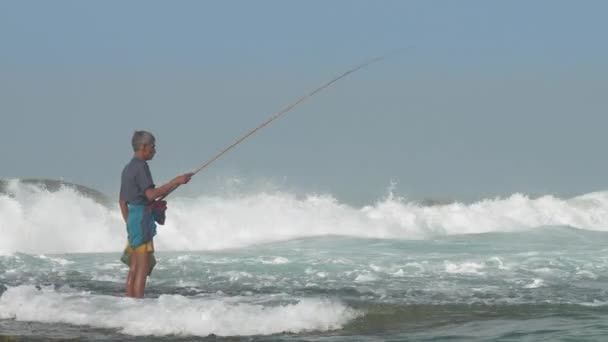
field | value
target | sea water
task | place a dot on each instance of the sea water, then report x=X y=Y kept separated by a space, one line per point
x=275 y=266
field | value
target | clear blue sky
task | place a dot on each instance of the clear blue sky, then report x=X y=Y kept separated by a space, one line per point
x=493 y=97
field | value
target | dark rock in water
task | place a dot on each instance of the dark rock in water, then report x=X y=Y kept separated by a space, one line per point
x=434 y=202
x=53 y=185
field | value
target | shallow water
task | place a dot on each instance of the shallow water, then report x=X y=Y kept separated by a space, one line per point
x=545 y=284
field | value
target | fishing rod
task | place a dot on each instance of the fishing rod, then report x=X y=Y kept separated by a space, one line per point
x=285 y=110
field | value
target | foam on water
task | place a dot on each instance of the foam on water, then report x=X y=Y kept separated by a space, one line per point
x=464 y=268
x=276 y=261
x=535 y=284
x=38 y=221
x=172 y=314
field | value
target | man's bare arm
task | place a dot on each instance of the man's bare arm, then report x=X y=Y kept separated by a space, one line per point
x=124 y=209
x=154 y=193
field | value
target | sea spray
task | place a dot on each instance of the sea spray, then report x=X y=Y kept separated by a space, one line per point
x=38 y=221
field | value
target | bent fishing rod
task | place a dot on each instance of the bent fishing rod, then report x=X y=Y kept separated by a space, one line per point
x=284 y=111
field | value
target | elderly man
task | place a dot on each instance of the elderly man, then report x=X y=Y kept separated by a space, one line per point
x=137 y=204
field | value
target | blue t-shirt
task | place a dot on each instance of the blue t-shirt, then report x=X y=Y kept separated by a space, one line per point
x=135 y=180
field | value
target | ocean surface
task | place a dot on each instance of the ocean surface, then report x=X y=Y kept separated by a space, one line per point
x=276 y=266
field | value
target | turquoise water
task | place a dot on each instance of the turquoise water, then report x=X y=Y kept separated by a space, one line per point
x=544 y=284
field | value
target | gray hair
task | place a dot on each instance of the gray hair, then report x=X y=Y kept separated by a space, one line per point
x=141 y=138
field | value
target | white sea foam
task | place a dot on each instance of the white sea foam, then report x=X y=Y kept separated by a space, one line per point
x=110 y=266
x=275 y=261
x=173 y=314
x=595 y=303
x=37 y=221
x=108 y=278
x=399 y=273
x=584 y=274
x=414 y=266
x=235 y=276
x=365 y=277
x=59 y=261
x=463 y=268
x=497 y=261
x=536 y=283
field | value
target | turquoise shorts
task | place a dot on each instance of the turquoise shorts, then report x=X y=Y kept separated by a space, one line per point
x=141 y=227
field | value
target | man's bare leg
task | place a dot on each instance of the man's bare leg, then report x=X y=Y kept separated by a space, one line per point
x=141 y=273
x=131 y=276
